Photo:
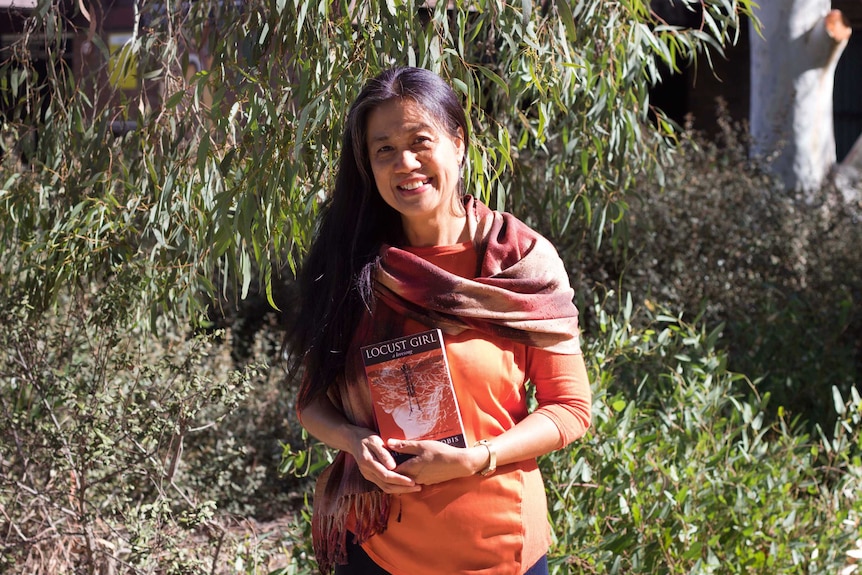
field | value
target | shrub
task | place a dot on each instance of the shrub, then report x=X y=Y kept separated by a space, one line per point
x=681 y=472
x=727 y=244
x=121 y=451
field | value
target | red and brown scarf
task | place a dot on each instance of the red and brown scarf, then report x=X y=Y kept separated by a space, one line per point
x=521 y=292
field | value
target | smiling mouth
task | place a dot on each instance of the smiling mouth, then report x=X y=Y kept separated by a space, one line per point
x=410 y=186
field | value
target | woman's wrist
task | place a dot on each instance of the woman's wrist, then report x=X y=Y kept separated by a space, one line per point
x=490 y=460
x=477 y=459
x=358 y=436
x=481 y=458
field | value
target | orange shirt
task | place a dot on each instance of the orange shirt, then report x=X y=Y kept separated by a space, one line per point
x=494 y=525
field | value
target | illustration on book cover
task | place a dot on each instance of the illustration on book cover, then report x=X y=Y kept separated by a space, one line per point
x=411 y=389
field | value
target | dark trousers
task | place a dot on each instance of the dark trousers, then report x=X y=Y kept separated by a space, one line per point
x=359 y=563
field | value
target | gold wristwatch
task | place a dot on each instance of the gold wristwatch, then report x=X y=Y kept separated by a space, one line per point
x=492 y=457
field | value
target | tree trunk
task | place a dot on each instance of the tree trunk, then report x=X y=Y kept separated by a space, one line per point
x=792 y=77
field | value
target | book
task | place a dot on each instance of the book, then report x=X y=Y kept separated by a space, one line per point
x=411 y=390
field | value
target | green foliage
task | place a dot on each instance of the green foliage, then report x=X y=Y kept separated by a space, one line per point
x=222 y=176
x=727 y=243
x=682 y=473
x=120 y=451
x=96 y=418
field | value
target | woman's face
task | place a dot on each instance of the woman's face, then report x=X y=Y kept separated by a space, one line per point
x=416 y=165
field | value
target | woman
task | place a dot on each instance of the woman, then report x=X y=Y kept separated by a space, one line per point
x=399 y=250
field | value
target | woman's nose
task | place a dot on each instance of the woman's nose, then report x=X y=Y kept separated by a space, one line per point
x=407 y=161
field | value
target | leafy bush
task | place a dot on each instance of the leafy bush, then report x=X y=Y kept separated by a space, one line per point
x=726 y=243
x=121 y=450
x=681 y=472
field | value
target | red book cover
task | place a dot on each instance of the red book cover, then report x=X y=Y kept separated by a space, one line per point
x=411 y=389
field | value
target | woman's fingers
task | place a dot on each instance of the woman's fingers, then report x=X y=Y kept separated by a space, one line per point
x=377 y=465
x=376 y=450
x=433 y=461
x=392 y=482
x=406 y=446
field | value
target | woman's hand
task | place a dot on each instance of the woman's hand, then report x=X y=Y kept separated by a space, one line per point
x=329 y=425
x=436 y=462
x=377 y=465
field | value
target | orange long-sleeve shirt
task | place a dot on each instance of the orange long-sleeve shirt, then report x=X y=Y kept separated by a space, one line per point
x=494 y=525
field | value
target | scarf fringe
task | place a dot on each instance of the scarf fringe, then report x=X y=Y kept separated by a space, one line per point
x=329 y=530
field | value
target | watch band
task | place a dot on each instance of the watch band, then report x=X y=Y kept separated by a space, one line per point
x=492 y=457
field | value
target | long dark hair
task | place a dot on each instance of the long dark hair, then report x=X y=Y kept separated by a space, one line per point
x=335 y=281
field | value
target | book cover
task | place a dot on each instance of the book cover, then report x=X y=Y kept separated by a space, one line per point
x=411 y=390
